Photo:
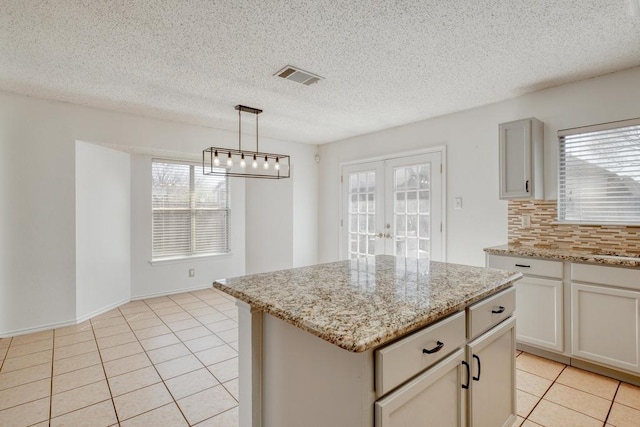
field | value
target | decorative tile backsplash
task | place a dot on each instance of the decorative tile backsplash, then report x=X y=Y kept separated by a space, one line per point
x=546 y=232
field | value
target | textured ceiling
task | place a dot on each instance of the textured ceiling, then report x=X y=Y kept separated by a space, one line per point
x=385 y=63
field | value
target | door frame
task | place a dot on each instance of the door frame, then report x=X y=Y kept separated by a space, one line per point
x=442 y=149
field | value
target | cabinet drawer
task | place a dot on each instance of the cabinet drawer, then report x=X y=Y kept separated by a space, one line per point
x=612 y=276
x=403 y=359
x=487 y=313
x=434 y=398
x=526 y=265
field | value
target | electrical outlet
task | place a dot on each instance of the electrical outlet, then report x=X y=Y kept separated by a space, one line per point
x=192 y=272
x=457 y=203
x=526 y=221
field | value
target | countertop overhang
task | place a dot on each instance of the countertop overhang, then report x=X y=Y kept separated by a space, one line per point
x=565 y=255
x=363 y=303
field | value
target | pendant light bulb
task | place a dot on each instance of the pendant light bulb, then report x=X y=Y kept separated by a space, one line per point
x=216 y=159
x=242 y=162
x=229 y=161
x=277 y=166
x=254 y=164
x=266 y=162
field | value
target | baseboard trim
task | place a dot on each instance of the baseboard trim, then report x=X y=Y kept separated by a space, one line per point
x=34 y=329
x=165 y=293
x=582 y=364
x=102 y=310
x=95 y=313
x=561 y=358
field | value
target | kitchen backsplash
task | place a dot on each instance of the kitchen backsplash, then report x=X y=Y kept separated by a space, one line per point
x=546 y=232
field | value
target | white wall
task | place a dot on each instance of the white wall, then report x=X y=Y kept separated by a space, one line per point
x=103 y=229
x=471 y=138
x=173 y=276
x=289 y=240
x=38 y=218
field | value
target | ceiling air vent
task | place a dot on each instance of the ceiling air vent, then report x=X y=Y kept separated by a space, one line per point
x=297 y=75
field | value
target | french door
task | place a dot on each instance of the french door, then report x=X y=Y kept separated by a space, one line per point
x=393 y=207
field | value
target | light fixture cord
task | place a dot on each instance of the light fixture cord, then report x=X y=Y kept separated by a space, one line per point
x=239 y=129
x=257 y=133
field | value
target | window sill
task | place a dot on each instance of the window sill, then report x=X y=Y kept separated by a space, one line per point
x=194 y=258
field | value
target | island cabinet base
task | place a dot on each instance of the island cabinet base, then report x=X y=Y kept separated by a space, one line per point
x=450 y=373
x=290 y=378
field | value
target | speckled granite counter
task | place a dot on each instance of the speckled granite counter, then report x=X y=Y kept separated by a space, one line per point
x=361 y=304
x=565 y=255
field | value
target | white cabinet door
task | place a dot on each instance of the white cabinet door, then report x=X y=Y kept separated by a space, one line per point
x=539 y=309
x=492 y=392
x=433 y=398
x=605 y=325
x=521 y=144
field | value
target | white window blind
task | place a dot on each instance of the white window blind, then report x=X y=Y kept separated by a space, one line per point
x=190 y=211
x=599 y=176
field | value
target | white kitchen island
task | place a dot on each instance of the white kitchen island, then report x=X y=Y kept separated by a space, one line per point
x=381 y=341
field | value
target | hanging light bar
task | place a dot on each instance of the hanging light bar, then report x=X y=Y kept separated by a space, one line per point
x=230 y=162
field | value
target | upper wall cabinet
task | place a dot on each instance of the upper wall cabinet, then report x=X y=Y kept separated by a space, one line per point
x=521 y=159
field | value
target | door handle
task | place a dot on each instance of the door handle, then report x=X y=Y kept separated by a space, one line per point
x=526 y=186
x=466 y=365
x=499 y=310
x=435 y=349
x=475 y=356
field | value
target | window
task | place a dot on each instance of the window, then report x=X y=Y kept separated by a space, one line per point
x=190 y=211
x=599 y=179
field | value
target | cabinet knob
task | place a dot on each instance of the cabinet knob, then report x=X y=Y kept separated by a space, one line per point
x=435 y=349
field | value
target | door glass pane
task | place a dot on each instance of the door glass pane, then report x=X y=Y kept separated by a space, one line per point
x=411 y=210
x=424 y=201
x=361 y=213
x=401 y=225
x=400 y=204
x=412 y=202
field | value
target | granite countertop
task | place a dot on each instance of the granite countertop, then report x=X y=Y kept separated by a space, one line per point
x=566 y=255
x=363 y=303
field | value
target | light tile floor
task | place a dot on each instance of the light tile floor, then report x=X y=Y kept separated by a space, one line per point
x=172 y=361
x=167 y=361
x=551 y=394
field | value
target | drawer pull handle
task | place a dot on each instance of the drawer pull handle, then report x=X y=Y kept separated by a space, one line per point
x=523 y=265
x=499 y=310
x=475 y=356
x=468 y=375
x=434 y=349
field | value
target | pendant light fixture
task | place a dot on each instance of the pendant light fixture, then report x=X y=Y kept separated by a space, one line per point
x=245 y=163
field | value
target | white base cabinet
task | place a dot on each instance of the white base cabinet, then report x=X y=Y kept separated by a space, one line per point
x=439 y=387
x=458 y=372
x=539 y=300
x=540 y=320
x=492 y=389
x=606 y=325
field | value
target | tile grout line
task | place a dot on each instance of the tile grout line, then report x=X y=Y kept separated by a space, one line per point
x=566 y=407
x=106 y=379
x=545 y=393
x=613 y=399
x=53 y=359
